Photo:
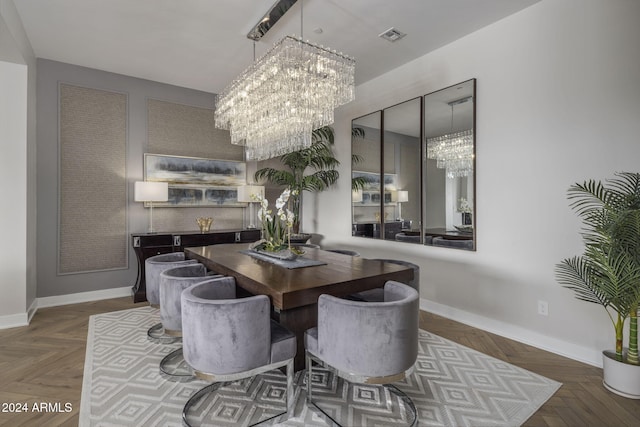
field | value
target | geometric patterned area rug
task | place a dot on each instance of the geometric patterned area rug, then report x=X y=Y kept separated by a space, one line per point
x=452 y=385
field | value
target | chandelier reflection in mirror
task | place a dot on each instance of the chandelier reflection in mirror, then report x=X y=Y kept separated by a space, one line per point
x=273 y=107
x=453 y=151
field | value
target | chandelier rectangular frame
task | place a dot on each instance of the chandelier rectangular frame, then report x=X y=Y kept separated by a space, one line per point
x=273 y=106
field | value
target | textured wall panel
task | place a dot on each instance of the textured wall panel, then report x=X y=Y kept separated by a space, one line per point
x=182 y=130
x=93 y=188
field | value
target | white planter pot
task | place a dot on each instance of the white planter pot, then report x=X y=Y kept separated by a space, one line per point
x=621 y=378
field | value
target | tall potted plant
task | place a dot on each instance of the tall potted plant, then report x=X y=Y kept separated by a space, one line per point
x=318 y=158
x=608 y=273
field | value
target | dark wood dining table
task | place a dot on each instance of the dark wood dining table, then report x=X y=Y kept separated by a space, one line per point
x=294 y=292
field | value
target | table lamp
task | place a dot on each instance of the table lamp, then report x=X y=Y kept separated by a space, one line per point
x=147 y=191
x=401 y=197
x=248 y=194
x=356 y=197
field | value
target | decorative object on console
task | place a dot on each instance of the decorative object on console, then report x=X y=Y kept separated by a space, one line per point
x=204 y=223
x=249 y=194
x=264 y=108
x=453 y=151
x=145 y=191
x=608 y=273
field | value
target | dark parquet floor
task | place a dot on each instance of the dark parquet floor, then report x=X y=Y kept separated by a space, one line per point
x=44 y=362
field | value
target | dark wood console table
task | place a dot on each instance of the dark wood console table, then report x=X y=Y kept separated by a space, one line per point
x=372 y=229
x=147 y=245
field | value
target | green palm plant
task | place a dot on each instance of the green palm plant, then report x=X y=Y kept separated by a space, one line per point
x=318 y=157
x=608 y=273
x=358 y=182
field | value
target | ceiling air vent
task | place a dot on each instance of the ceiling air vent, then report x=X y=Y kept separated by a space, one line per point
x=392 y=35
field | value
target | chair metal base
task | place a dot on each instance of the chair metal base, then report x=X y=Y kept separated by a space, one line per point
x=408 y=403
x=174 y=368
x=224 y=380
x=157 y=334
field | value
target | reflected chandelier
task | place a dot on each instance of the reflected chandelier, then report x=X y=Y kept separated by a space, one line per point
x=273 y=107
x=453 y=151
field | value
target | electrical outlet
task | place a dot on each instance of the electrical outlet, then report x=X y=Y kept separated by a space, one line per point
x=543 y=308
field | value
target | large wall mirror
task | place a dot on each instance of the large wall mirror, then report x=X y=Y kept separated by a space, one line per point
x=366 y=154
x=413 y=171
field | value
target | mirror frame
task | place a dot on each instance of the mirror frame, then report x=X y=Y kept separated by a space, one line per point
x=370 y=228
x=378 y=229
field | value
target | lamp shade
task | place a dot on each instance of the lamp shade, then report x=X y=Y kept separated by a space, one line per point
x=245 y=193
x=403 y=196
x=147 y=191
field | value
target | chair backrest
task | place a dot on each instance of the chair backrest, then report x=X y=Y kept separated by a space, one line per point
x=415 y=283
x=225 y=336
x=344 y=251
x=172 y=282
x=374 y=339
x=155 y=265
x=403 y=237
x=450 y=243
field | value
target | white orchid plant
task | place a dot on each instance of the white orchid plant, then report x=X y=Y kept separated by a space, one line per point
x=465 y=206
x=276 y=229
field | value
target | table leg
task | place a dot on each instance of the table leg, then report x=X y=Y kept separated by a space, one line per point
x=298 y=320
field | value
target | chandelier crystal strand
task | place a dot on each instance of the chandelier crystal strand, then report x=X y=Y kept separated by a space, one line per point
x=273 y=106
x=453 y=152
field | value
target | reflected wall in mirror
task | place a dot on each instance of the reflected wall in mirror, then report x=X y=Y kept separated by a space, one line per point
x=413 y=171
x=365 y=179
x=449 y=173
x=401 y=161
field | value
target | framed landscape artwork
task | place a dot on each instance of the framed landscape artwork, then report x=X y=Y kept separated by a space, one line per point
x=371 y=190
x=197 y=182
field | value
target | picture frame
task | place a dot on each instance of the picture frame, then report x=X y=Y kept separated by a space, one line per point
x=371 y=190
x=195 y=181
x=373 y=180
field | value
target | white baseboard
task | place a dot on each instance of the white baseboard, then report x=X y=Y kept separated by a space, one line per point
x=516 y=333
x=13 y=321
x=32 y=310
x=84 y=297
x=23 y=319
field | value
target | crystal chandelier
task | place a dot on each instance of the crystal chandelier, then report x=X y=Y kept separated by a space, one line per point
x=453 y=151
x=275 y=104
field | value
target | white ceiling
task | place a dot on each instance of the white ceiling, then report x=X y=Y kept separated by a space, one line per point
x=202 y=44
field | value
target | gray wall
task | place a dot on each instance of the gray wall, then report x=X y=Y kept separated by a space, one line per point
x=50 y=74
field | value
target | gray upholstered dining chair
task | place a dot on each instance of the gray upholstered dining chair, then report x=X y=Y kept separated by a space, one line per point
x=225 y=340
x=366 y=342
x=172 y=282
x=451 y=243
x=404 y=237
x=378 y=293
x=153 y=267
x=344 y=251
